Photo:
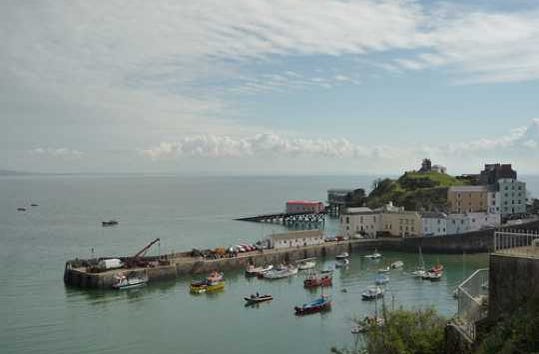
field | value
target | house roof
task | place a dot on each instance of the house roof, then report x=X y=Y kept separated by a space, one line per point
x=303 y=202
x=433 y=215
x=358 y=210
x=297 y=234
x=467 y=189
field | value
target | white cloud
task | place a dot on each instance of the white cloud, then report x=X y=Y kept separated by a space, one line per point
x=272 y=144
x=62 y=152
x=262 y=144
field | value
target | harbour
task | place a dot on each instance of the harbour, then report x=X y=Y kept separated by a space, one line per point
x=67 y=225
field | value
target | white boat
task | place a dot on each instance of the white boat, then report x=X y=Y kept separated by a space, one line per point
x=420 y=273
x=372 y=292
x=384 y=270
x=375 y=255
x=281 y=272
x=432 y=275
x=253 y=271
x=306 y=264
x=124 y=282
x=397 y=264
x=343 y=255
x=342 y=263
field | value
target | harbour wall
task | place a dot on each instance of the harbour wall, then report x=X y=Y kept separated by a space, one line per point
x=182 y=264
x=513 y=281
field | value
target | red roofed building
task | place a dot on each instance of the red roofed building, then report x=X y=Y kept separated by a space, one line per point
x=304 y=206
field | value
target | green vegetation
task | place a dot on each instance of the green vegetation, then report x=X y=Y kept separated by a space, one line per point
x=404 y=332
x=414 y=191
x=517 y=334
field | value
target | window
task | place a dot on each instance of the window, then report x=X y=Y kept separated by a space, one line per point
x=347 y=220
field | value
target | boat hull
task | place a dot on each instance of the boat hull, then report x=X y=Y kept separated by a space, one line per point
x=307 y=310
x=251 y=301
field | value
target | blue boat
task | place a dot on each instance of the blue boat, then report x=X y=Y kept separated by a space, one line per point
x=323 y=303
x=381 y=279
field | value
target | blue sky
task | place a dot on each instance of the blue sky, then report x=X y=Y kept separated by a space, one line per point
x=268 y=86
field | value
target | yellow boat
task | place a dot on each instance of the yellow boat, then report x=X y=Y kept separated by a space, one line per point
x=198 y=287
x=215 y=286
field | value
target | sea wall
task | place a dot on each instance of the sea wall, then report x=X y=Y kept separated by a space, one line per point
x=513 y=281
x=471 y=242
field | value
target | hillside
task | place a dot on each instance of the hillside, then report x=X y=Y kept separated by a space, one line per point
x=414 y=191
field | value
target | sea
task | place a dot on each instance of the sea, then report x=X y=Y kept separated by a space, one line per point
x=41 y=315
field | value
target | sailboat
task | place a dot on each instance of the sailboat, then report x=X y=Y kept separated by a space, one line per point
x=420 y=270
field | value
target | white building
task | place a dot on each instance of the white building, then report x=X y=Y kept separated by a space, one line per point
x=512 y=196
x=478 y=221
x=462 y=223
x=296 y=239
x=433 y=224
x=359 y=221
x=457 y=224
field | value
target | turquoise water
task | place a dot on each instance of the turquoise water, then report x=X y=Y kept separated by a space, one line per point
x=40 y=315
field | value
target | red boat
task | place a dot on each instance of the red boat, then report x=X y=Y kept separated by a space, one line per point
x=323 y=303
x=314 y=281
x=438 y=268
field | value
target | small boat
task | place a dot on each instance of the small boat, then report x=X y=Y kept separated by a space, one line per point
x=281 y=272
x=34 y=204
x=323 y=303
x=315 y=280
x=381 y=279
x=397 y=264
x=437 y=268
x=343 y=255
x=372 y=292
x=220 y=285
x=433 y=275
x=255 y=299
x=420 y=273
x=21 y=209
x=306 y=264
x=198 y=287
x=342 y=263
x=252 y=271
x=124 y=282
x=384 y=270
x=374 y=255
x=109 y=223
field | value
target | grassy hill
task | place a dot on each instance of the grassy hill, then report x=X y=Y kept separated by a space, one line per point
x=414 y=191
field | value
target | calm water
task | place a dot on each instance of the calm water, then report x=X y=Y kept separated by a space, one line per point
x=40 y=315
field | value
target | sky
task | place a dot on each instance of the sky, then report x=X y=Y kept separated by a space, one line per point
x=268 y=87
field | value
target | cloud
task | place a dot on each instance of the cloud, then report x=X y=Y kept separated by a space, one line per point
x=261 y=144
x=272 y=144
x=62 y=152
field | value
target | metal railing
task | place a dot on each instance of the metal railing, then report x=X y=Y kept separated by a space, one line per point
x=517 y=242
x=472 y=301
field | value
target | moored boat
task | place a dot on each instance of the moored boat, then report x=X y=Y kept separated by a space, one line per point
x=343 y=255
x=215 y=286
x=109 y=223
x=306 y=264
x=281 y=272
x=367 y=323
x=257 y=298
x=198 y=287
x=342 y=263
x=372 y=292
x=384 y=270
x=374 y=255
x=397 y=264
x=323 y=303
x=128 y=282
x=316 y=280
x=252 y=271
